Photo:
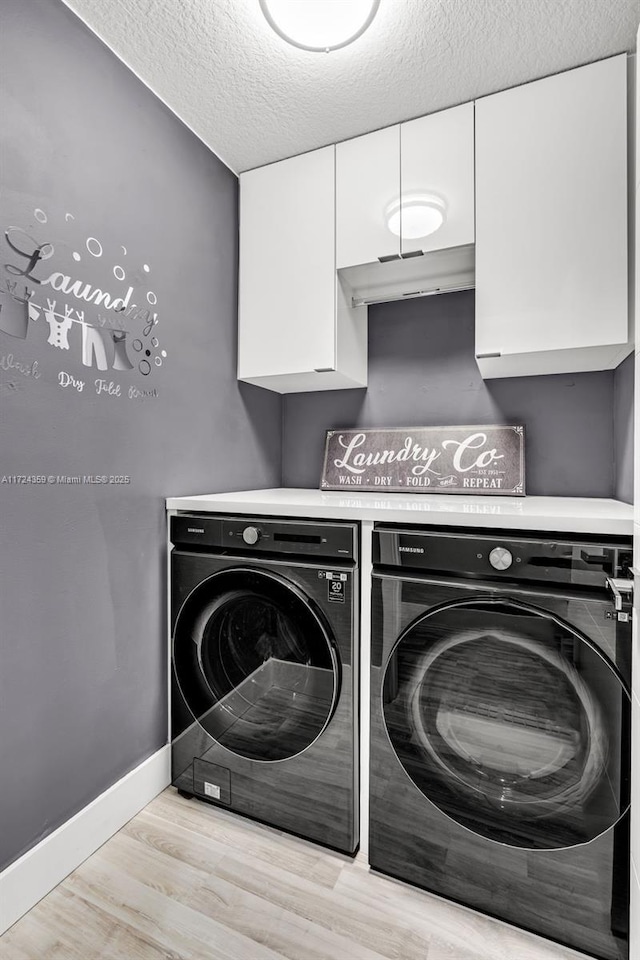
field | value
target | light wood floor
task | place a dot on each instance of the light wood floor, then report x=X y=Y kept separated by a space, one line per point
x=187 y=880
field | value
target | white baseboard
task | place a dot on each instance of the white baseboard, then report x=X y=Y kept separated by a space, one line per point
x=39 y=870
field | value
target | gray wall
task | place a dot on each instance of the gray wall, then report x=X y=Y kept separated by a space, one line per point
x=623 y=403
x=422 y=370
x=82 y=583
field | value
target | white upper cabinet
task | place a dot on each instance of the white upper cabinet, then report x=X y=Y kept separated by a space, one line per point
x=551 y=224
x=367 y=183
x=296 y=331
x=525 y=195
x=437 y=180
x=402 y=192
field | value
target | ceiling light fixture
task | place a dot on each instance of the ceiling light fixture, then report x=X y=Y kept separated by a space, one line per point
x=319 y=25
x=415 y=216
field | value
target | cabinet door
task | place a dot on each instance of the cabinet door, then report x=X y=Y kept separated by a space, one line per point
x=436 y=161
x=287 y=267
x=551 y=217
x=367 y=184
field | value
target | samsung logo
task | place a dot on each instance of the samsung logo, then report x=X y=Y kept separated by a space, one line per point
x=194 y=530
x=411 y=549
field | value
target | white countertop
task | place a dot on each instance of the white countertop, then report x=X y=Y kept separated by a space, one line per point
x=564 y=514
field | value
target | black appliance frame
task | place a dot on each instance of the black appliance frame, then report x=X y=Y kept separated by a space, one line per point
x=445 y=855
x=312 y=791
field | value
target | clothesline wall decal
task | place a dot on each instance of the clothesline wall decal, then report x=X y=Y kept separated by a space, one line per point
x=119 y=336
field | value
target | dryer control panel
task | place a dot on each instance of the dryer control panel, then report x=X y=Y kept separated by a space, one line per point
x=584 y=562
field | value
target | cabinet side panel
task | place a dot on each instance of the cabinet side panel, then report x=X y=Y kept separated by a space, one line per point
x=352 y=328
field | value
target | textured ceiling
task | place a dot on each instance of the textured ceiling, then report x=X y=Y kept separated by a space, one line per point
x=253 y=98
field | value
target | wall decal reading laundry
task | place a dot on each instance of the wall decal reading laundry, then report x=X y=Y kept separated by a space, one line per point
x=97 y=322
x=84 y=291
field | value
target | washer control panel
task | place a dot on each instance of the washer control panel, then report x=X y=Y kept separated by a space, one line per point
x=500 y=558
x=261 y=535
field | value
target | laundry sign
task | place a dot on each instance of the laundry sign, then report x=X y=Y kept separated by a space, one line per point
x=487 y=460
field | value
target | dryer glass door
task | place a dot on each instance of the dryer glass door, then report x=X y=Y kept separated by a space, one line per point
x=256 y=664
x=510 y=722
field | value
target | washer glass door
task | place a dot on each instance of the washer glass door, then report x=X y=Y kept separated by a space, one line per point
x=256 y=664
x=509 y=721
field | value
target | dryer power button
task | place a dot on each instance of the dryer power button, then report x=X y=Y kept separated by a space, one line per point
x=251 y=535
x=500 y=558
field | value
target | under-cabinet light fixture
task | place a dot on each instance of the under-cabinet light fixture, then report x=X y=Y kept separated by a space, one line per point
x=415 y=216
x=319 y=25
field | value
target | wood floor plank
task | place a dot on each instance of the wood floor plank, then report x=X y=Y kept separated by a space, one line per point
x=267 y=845
x=370 y=928
x=19 y=943
x=173 y=840
x=178 y=928
x=246 y=913
x=85 y=921
x=215 y=834
x=124 y=944
x=424 y=913
x=174 y=878
x=58 y=927
x=290 y=935
x=16 y=951
x=188 y=881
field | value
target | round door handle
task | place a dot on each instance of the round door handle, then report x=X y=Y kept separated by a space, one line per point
x=500 y=558
x=251 y=535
